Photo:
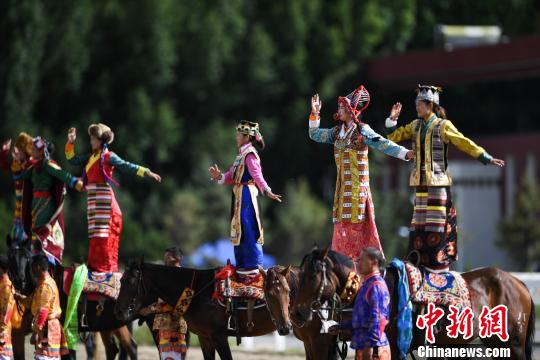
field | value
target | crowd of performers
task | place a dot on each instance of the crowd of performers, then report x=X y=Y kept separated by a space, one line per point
x=40 y=183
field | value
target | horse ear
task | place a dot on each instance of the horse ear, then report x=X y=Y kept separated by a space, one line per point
x=286 y=271
x=262 y=272
x=325 y=252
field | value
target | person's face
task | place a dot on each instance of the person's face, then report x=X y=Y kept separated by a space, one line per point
x=95 y=143
x=343 y=113
x=37 y=153
x=367 y=264
x=241 y=139
x=170 y=260
x=423 y=109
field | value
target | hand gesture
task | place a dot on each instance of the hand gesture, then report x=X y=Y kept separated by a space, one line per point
x=395 y=111
x=6 y=145
x=154 y=176
x=215 y=173
x=497 y=162
x=72 y=135
x=316 y=104
x=79 y=185
x=273 y=196
x=410 y=155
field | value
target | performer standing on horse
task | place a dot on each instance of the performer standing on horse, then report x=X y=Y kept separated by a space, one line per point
x=433 y=232
x=170 y=326
x=43 y=199
x=246 y=177
x=7 y=304
x=103 y=213
x=48 y=334
x=20 y=160
x=353 y=213
x=371 y=310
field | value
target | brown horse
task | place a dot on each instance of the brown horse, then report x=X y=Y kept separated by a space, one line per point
x=19 y=255
x=143 y=283
x=325 y=273
x=281 y=286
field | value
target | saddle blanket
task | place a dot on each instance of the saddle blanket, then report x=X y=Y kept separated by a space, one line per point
x=234 y=283
x=97 y=284
x=441 y=288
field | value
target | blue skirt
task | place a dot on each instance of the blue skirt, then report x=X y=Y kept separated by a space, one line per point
x=248 y=254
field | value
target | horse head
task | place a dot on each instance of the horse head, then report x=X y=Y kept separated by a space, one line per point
x=324 y=273
x=277 y=293
x=134 y=293
x=20 y=271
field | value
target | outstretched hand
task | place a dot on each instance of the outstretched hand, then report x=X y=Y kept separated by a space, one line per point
x=215 y=173
x=395 y=111
x=273 y=196
x=72 y=135
x=316 y=104
x=497 y=162
x=154 y=176
x=6 y=145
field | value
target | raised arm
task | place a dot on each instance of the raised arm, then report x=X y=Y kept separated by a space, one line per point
x=378 y=142
x=452 y=134
x=395 y=133
x=324 y=136
x=73 y=159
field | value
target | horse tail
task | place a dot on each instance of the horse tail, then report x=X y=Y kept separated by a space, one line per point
x=529 y=342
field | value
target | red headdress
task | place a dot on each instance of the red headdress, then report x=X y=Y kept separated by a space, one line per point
x=355 y=102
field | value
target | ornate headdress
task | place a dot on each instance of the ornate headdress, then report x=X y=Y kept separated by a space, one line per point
x=102 y=132
x=249 y=128
x=355 y=102
x=40 y=143
x=428 y=93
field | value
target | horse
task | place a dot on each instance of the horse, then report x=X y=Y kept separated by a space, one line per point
x=104 y=321
x=325 y=274
x=142 y=283
x=281 y=287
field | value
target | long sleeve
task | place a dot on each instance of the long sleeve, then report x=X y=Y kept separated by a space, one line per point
x=42 y=303
x=54 y=170
x=23 y=175
x=72 y=158
x=378 y=142
x=127 y=167
x=323 y=136
x=227 y=177
x=254 y=167
x=374 y=320
x=6 y=306
x=398 y=134
x=451 y=134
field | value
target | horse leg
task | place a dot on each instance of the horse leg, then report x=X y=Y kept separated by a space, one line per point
x=111 y=349
x=223 y=348
x=208 y=348
x=17 y=339
x=127 y=341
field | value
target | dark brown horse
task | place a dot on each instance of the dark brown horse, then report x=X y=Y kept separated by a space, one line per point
x=142 y=283
x=19 y=255
x=325 y=274
x=281 y=287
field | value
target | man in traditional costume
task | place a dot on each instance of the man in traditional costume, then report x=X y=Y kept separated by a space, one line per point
x=48 y=334
x=353 y=212
x=170 y=326
x=371 y=310
x=7 y=305
x=433 y=231
x=18 y=161
x=103 y=212
x=246 y=176
x=43 y=198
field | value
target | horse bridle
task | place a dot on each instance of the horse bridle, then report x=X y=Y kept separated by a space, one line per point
x=316 y=304
x=140 y=285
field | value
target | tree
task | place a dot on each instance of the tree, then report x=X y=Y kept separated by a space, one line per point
x=520 y=233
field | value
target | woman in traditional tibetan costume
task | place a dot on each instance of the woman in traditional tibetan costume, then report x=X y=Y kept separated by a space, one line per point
x=353 y=213
x=18 y=161
x=247 y=179
x=43 y=199
x=433 y=231
x=103 y=213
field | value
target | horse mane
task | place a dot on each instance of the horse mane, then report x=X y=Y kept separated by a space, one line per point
x=336 y=257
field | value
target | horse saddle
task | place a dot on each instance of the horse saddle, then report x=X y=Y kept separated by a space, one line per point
x=97 y=285
x=239 y=284
x=443 y=288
